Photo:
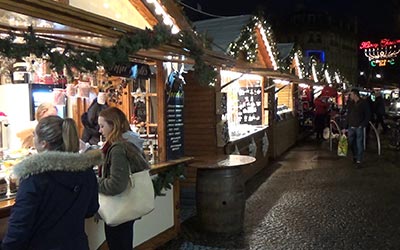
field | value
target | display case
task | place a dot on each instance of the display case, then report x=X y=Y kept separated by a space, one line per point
x=245 y=101
x=143 y=114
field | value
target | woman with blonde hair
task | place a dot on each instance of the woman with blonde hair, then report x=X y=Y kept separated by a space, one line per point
x=58 y=190
x=26 y=136
x=121 y=157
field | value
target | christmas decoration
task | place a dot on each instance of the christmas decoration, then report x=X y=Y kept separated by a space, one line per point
x=222 y=133
x=381 y=54
x=252 y=148
x=114 y=93
x=247 y=42
x=236 y=151
x=165 y=179
x=73 y=58
x=265 y=144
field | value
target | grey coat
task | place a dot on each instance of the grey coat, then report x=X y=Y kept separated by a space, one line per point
x=117 y=167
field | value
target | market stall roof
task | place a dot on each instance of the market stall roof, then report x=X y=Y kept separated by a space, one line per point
x=53 y=31
x=62 y=23
x=285 y=50
x=222 y=30
x=246 y=37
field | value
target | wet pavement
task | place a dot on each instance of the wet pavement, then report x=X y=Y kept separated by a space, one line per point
x=312 y=199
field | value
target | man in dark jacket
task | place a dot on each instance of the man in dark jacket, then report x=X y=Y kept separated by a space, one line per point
x=358 y=117
x=379 y=112
x=89 y=120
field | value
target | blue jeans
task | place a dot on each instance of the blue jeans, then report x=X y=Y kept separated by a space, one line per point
x=356 y=141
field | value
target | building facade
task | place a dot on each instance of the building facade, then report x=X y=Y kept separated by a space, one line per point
x=329 y=38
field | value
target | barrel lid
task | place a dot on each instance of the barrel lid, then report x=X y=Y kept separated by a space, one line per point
x=225 y=161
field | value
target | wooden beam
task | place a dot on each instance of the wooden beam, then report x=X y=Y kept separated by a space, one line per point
x=175 y=12
x=144 y=11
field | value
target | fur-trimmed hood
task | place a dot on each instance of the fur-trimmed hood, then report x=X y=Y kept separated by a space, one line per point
x=57 y=161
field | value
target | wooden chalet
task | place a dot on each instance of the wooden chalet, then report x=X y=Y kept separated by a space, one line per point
x=251 y=110
x=91 y=26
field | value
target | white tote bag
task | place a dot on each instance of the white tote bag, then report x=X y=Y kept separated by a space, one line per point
x=136 y=201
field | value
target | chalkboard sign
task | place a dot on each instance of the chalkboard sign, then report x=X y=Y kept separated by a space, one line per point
x=174 y=116
x=249 y=105
x=132 y=70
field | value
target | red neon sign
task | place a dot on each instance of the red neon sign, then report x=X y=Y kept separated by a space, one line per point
x=383 y=43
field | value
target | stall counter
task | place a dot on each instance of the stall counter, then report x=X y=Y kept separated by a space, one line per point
x=151 y=230
x=257 y=142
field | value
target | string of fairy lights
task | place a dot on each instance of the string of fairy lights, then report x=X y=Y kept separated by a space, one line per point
x=247 y=45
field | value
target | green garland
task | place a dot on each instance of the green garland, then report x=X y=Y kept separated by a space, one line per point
x=165 y=179
x=247 y=41
x=126 y=46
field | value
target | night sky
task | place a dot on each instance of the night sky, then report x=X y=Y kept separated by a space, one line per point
x=376 y=20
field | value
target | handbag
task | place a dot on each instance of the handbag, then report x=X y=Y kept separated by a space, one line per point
x=342 y=146
x=134 y=202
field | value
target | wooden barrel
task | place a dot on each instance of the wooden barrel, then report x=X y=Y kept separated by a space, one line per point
x=220 y=199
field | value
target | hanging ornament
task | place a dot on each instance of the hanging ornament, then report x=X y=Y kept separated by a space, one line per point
x=265 y=144
x=33 y=63
x=252 y=148
x=236 y=151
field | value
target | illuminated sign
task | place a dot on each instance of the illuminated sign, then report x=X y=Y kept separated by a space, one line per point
x=381 y=54
x=317 y=54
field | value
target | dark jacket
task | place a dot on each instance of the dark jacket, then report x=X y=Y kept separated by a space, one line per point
x=358 y=114
x=117 y=166
x=57 y=191
x=91 y=132
x=379 y=106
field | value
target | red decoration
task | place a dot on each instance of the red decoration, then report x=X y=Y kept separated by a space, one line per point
x=384 y=43
x=329 y=92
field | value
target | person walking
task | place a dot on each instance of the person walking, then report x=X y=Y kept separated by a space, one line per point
x=121 y=157
x=379 y=112
x=321 y=116
x=358 y=117
x=58 y=190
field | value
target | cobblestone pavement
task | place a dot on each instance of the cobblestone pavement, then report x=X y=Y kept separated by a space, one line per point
x=313 y=199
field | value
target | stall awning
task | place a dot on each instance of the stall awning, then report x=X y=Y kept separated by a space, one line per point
x=65 y=24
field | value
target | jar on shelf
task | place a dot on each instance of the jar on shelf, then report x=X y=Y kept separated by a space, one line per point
x=3 y=186
x=20 y=72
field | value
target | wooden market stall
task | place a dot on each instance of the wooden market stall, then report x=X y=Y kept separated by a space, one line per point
x=150 y=100
x=239 y=115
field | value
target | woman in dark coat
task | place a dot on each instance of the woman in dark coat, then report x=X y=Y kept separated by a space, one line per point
x=58 y=190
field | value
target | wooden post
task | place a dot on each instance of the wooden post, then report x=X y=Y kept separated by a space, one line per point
x=161 y=128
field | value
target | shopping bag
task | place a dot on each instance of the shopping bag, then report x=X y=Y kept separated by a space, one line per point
x=136 y=201
x=342 y=146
